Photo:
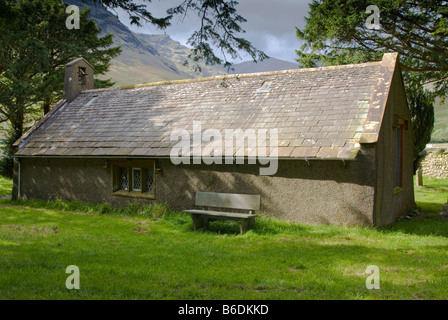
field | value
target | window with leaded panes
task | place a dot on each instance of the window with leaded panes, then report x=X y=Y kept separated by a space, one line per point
x=149 y=179
x=124 y=179
x=133 y=178
x=136 y=179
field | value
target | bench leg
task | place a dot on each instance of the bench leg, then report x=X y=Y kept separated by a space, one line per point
x=205 y=222
x=251 y=222
x=244 y=224
x=198 y=221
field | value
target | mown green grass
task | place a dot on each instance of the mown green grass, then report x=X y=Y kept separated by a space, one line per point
x=153 y=253
x=431 y=197
x=5 y=186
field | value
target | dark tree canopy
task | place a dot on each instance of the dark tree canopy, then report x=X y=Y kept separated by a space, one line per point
x=337 y=33
x=422 y=112
x=218 y=31
x=35 y=45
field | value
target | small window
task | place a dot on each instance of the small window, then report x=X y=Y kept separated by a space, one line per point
x=82 y=76
x=124 y=179
x=133 y=178
x=136 y=179
x=149 y=174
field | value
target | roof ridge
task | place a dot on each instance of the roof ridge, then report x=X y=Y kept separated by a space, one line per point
x=234 y=76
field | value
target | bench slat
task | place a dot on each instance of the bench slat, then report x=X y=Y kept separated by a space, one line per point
x=228 y=200
x=222 y=214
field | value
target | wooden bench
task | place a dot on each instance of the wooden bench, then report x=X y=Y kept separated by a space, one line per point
x=246 y=202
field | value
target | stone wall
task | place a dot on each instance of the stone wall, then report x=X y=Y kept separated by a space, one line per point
x=313 y=192
x=435 y=165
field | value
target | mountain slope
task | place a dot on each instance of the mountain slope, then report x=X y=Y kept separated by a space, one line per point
x=140 y=60
x=440 y=132
x=271 y=64
x=156 y=57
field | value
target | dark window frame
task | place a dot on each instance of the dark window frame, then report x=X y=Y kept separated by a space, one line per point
x=82 y=76
x=400 y=125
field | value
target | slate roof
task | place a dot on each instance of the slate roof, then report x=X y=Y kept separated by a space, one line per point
x=319 y=113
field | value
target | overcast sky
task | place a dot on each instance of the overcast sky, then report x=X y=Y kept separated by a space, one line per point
x=270 y=24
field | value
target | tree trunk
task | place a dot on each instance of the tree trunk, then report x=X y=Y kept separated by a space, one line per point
x=47 y=105
x=17 y=124
x=7 y=163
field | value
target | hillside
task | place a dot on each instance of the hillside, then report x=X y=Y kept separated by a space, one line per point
x=144 y=58
x=440 y=133
x=157 y=57
x=271 y=64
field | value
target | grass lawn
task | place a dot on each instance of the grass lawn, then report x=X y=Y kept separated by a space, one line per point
x=152 y=253
x=5 y=186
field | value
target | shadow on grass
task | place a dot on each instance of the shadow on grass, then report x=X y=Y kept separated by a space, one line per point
x=430 y=199
x=263 y=226
x=426 y=223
